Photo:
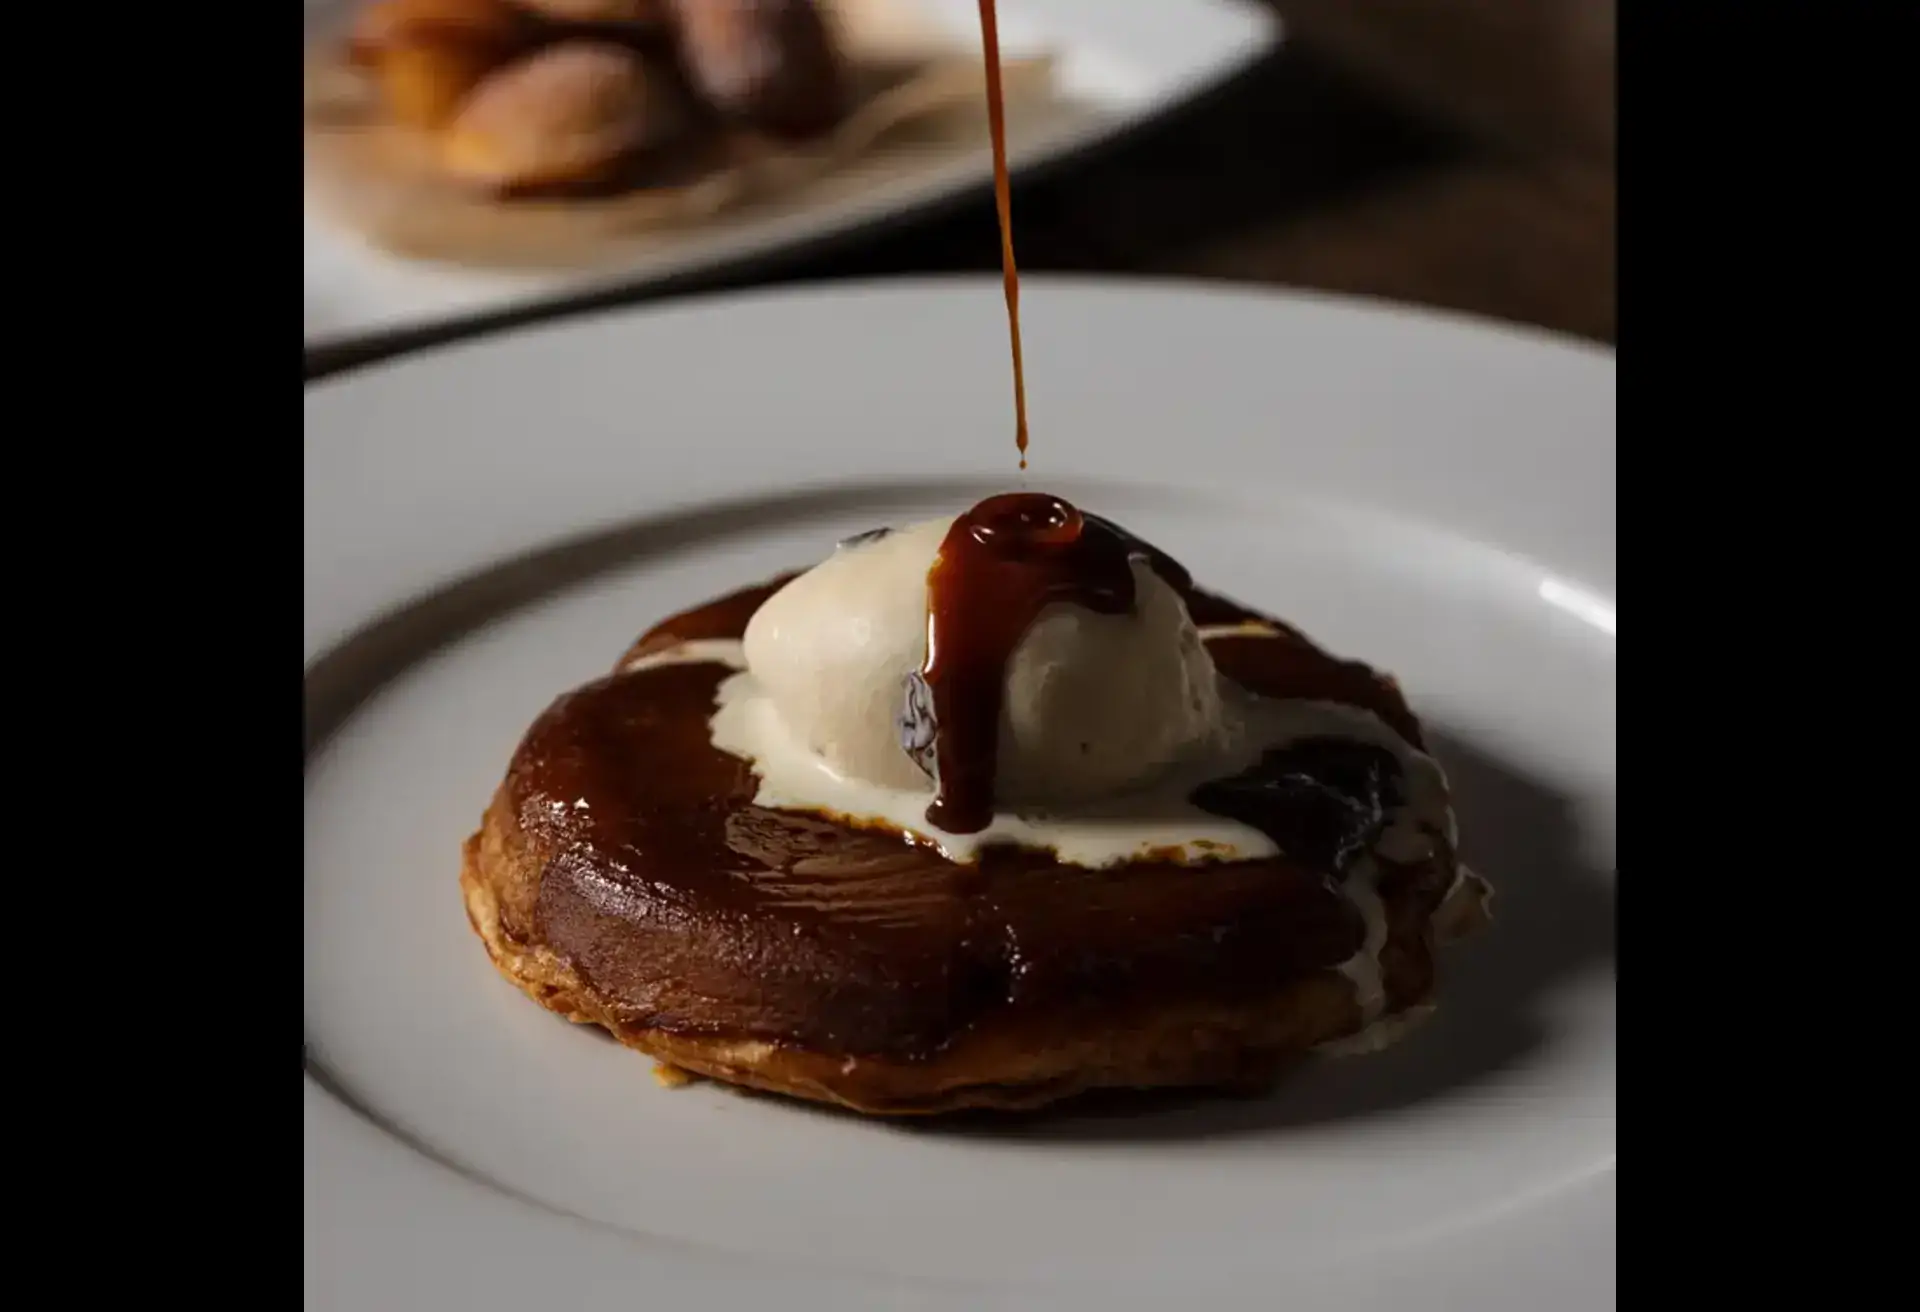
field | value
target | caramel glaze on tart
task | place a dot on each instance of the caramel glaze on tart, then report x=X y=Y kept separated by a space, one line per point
x=624 y=877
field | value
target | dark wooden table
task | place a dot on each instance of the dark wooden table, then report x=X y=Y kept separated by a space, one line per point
x=1454 y=153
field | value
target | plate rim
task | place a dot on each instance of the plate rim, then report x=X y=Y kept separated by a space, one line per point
x=1116 y=297
x=936 y=280
x=1571 y=1223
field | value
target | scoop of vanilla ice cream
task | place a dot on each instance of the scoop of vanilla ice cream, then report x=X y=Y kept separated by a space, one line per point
x=1093 y=703
x=1096 y=703
x=833 y=648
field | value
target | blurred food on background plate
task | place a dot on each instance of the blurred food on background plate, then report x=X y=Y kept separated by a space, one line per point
x=548 y=133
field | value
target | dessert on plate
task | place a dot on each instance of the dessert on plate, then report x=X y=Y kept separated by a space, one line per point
x=983 y=812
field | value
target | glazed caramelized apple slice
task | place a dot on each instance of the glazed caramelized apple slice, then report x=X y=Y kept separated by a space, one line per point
x=769 y=63
x=566 y=117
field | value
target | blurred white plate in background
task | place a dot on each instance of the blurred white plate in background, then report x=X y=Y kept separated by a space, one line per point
x=1125 y=60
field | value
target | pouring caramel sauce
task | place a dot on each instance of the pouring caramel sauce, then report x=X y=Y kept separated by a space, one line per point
x=1001 y=564
x=1003 y=202
x=1010 y=557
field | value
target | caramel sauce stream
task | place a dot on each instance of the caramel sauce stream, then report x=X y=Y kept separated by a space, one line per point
x=1003 y=202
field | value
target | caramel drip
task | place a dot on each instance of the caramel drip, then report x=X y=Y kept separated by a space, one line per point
x=1001 y=564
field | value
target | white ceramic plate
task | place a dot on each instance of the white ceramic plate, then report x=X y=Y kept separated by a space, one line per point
x=1126 y=60
x=1433 y=495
